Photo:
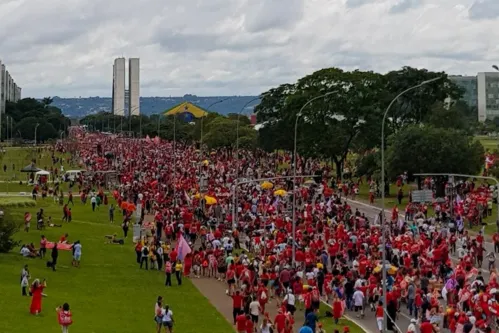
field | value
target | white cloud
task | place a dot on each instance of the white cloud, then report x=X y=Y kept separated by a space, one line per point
x=225 y=47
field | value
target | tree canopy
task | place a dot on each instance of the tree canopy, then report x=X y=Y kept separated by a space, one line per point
x=28 y=112
x=349 y=117
x=427 y=149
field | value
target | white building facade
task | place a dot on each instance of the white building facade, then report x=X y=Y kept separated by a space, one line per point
x=119 y=87
x=126 y=101
x=134 y=86
x=488 y=95
x=9 y=91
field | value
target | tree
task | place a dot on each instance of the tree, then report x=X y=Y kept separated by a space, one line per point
x=222 y=133
x=8 y=228
x=454 y=116
x=426 y=149
x=44 y=131
x=329 y=127
x=414 y=106
x=27 y=112
x=46 y=101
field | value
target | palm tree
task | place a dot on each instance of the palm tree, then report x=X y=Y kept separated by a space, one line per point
x=46 y=101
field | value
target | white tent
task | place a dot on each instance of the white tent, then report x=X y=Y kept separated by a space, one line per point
x=42 y=173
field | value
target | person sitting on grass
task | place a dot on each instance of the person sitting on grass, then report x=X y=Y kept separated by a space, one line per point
x=26 y=252
x=52 y=225
x=111 y=239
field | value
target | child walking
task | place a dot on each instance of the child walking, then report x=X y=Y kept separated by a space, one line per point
x=64 y=317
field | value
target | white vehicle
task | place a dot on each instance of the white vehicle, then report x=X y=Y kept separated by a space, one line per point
x=72 y=175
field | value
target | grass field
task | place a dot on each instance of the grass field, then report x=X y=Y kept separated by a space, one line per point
x=107 y=294
x=15 y=159
x=489 y=143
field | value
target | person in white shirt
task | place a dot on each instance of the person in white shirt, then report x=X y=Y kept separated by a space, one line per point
x=290 y=301
x=255 y=309
x=77 y=254
x=167 y=318
x=358 y=302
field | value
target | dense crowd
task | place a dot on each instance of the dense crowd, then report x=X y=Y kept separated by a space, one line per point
x=433 y=264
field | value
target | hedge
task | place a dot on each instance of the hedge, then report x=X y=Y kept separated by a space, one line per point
x=19 y=202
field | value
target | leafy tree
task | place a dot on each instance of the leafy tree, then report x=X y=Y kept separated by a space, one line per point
x=454 y=116
x=328 y=127
x=414 y=106
x=44 y=131
x=8 y=228
x=27 y=112
x=222 y=133
x=368 y=164
x=426 y=149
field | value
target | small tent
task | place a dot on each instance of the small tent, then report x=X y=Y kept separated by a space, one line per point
x=30 y=168
x=42 y=174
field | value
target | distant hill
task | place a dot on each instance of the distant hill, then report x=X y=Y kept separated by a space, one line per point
x=80 y=107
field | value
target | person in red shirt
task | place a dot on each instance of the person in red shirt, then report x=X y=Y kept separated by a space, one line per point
x=241 y=323
x=237 y=305
x=379 y=316
x=250 y=325
x=280 y=321
x=425 y=326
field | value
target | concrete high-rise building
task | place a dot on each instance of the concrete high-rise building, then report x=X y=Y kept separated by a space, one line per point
x=119 y=87
x=134 y=86
x=9 y=91
x=488 y=95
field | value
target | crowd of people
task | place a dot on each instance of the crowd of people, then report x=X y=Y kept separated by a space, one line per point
x=243 y=236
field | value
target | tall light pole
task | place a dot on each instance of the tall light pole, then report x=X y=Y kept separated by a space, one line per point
x=298 y=115
x=36 y=127
x=201 y=139
x=383 y=225
x=234 y=211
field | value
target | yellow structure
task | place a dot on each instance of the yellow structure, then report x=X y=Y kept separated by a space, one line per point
x=186 y=107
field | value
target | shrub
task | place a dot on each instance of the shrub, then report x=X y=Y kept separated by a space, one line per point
x=8 y=227
x=16 y=202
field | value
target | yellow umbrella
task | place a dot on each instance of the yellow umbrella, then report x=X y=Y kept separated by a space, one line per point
x=267 y=185
x=205 y=162
x=210 y=200
x=280 y=192
x=390 y=269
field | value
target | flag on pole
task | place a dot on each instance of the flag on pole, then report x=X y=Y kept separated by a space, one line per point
x=182 y=248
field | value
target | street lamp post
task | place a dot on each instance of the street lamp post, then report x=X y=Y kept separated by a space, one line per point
x=298 y=115
x=234 y=211
x=383 y=226
x=201 y=141
x=36 y=127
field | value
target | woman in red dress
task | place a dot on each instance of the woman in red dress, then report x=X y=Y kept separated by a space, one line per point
x=36 y=299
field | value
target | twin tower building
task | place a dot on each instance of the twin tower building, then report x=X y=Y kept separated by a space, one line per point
x=126 y=102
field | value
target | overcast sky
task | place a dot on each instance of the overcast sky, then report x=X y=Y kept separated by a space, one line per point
x=236 y=47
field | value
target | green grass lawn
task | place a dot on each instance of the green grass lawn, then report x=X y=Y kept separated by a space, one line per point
x=108 y=293
x=489 y=143
x=15 y=158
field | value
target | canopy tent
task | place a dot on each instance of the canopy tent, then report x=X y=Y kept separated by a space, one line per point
x=186 y=110
x=30 y=168
x=42 y=173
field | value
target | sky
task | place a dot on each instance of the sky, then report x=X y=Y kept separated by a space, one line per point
x=236 y=47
